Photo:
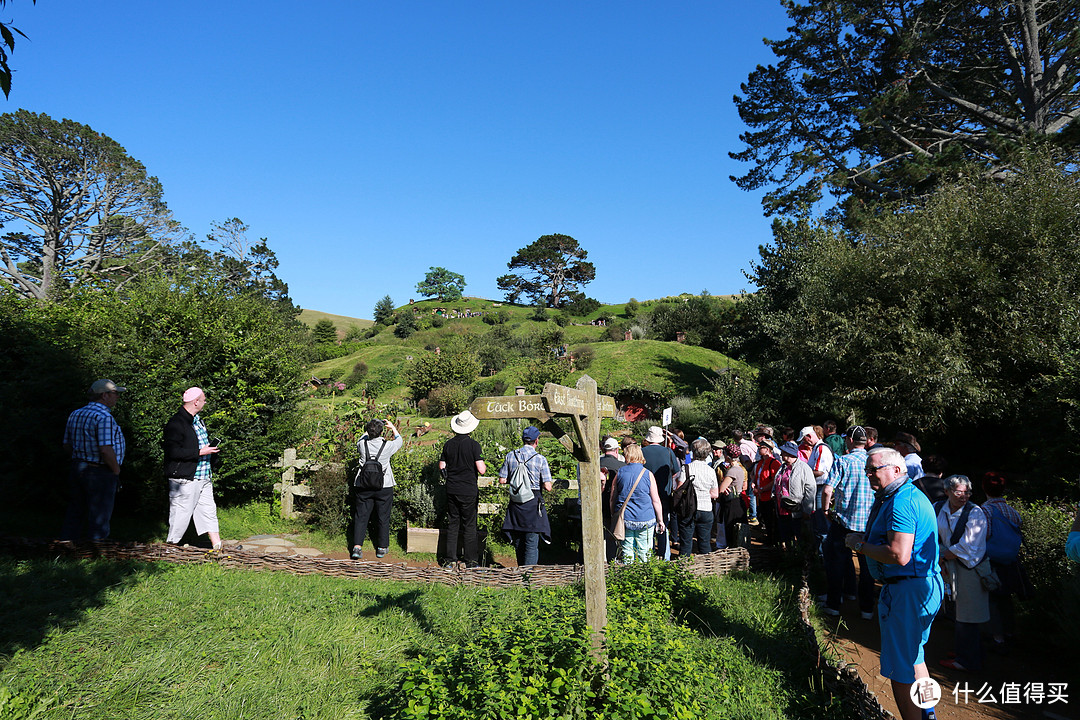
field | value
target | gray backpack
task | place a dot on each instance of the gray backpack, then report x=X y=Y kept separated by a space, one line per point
x=520 y=483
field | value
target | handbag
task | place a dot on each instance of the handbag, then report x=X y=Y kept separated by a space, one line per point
x=618 y=523
x=987 y=577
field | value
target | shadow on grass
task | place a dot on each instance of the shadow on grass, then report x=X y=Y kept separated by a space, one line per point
x=686 y=377
x=407 y=601
x=40 y=596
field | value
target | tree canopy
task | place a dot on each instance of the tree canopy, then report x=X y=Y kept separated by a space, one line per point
x=442 y=284
x=547 y=271
x=883 y=99
x=957 y=315
x=384 y=310
x=85 y=210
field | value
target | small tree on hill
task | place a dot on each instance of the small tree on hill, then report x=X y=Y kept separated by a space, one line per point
x=384 y=310
x=324 y=332
x=547 y=271
x=442 y=284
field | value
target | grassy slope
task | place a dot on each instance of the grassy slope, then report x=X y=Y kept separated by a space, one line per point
x=341 y=322
x=648 y=364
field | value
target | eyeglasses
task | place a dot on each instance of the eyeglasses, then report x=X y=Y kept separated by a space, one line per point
x=871 y=469
x=958 y=491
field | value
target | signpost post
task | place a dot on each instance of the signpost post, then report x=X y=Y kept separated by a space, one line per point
x=584 y=407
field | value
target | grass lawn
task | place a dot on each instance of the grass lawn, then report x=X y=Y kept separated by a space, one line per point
x=95 y=639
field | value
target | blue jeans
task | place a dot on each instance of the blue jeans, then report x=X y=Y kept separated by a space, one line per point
x=752 y=512
x=700 y=526
x=840 y=571
x=89 y=511
x=527 y=546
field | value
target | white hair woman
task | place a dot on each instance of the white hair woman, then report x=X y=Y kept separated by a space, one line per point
x=962 y=532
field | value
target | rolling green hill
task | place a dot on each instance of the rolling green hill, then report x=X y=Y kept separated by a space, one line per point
x=341 y=322
x=666 y=368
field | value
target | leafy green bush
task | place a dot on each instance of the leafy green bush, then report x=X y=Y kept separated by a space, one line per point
x=382 y=380
x=429 y=371
x=328 y=508
x=438 y=321
x=562 y=320
x=357 y=375
x=405 y=324
x=531 y=660
x=447 y=400
x=631 y=309
x=583 y=357
x=1055 y=579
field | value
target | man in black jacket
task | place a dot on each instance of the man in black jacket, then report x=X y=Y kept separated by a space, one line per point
x=189 y=462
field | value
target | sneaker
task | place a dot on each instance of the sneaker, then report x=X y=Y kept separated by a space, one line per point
x=357 y=553
x=753 y=521
x=448 y=566
x=382 y=552
x=471 y=565
x=833 y=612
x=867 y=615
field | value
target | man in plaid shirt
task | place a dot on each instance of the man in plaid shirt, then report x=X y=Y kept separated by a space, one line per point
x=96 y=446
x=527 y=523
x=848 y=485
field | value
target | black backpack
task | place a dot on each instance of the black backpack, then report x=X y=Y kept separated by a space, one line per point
x=684 y=498
x=370 y=475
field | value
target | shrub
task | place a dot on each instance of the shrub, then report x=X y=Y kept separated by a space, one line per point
x=328 y=509
x=438 y=321
x=583 y=357
x=447 y=400
x=539 y=313
x=359 y=372
x=406 y=324
x=429 y=371
x=382 y=380
x=488 y=387
x=580 y=305
x=562 y=320
x=637 y=332
x=540 y=371
x=631 y=309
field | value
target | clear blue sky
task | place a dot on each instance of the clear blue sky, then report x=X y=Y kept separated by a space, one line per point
x=369 y=141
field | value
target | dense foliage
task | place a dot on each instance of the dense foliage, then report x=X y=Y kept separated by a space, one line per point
x=878 y=100
x=549 y=271
x=959 y=314
x=157 y=338
x=664 y=659
x=79 y=209
x=441 y=284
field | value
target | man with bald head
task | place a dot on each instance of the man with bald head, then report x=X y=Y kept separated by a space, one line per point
x=190 y=460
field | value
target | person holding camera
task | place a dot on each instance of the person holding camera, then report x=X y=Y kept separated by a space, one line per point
x=372 y=445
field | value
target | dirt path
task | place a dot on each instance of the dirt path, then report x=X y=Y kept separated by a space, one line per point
x=859 y=641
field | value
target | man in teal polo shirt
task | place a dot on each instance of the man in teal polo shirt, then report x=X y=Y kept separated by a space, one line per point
x=901 y=548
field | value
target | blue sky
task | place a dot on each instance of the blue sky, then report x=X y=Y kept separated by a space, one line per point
x=369 y=141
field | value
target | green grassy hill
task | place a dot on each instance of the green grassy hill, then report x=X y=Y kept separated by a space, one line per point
x=341 y=322
x=666 y=368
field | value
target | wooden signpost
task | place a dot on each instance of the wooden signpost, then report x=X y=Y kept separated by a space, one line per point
x=584 y=407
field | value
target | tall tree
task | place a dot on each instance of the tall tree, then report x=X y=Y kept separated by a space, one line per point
x=882 y=99
x=384 y=311
x=85 y=210
x=441 y=283
x=547 y=271
x=324 y=331
x=956 y=314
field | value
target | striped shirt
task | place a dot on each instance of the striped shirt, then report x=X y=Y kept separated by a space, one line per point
x=202 y=470
x=91 y=427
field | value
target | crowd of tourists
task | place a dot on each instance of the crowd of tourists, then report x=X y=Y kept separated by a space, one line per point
x=839 y=500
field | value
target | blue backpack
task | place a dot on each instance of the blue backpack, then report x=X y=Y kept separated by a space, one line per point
x=1003 y=542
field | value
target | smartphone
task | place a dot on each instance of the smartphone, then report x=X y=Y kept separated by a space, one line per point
x=216 y=442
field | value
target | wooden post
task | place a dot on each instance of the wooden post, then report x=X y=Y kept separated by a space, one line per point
x=592 y=522
x=584 y=408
